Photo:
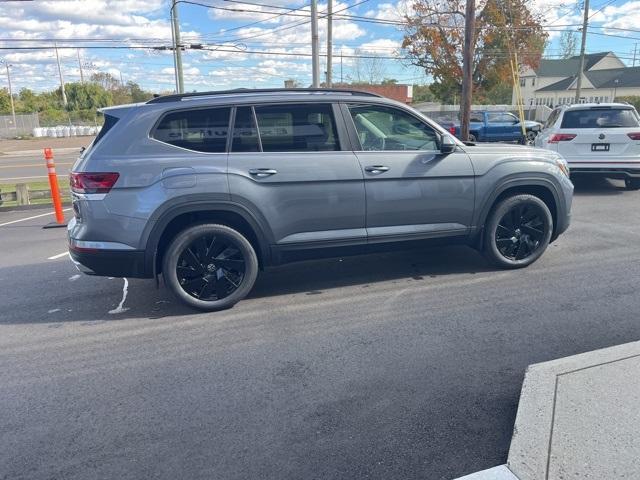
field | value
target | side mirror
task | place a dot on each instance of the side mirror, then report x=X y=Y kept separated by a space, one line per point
x=447 y=145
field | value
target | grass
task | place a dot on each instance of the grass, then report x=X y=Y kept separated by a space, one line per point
x=41 y=185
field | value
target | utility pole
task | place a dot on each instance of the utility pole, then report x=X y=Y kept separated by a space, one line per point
x=329 y=43
x=177 y=47
x=64 y=94
x=585 y=24
x=315 y=54
x=121 y=81
x=13 y=109
x=467 y=68
x=80 y=67
x=635 y=49
x=341 y=79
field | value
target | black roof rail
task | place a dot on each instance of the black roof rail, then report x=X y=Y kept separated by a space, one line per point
x=180 y=96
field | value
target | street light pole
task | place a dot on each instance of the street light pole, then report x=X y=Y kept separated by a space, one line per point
x=315 y=54
x=329 y=43
x=585 y=23
x=13 y=109
x=80 y=67
x=176 y=46
x=64 y=94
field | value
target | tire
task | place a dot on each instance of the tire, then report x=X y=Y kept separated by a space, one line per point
x=518 y=231
x=210 y=266
x=472 y=138
x=531 y=137
x=632 y=183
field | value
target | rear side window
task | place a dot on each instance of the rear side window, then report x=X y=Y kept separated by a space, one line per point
x=297 y=128
x=202 y=130
x=109 y=122
x=600 y=118
x=552 y=118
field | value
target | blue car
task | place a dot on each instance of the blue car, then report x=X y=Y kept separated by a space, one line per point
x=497 y=127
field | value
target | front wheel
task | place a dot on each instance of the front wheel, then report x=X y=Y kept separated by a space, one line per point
x=518 y=231
x=531 y=137
x=632 y=183
x=210 y=266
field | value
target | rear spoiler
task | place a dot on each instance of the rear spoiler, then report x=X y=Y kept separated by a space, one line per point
x=118 y=111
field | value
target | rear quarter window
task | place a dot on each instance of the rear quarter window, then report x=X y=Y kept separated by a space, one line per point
x=202 y=130
x=600 y=118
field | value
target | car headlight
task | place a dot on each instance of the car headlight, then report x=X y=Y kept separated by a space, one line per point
x=562 y=164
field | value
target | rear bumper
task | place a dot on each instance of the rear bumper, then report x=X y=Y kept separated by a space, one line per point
x=611 y=171
x=110 y=263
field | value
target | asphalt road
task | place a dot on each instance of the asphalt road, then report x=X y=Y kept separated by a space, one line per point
x=32 y=168
x=404 y=365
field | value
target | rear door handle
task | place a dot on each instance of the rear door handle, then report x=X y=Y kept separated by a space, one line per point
x=262 y=172
x=376 y=168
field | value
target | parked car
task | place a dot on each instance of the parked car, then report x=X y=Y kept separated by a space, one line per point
x=208 y=188
x=496 y=127
x=596 y=139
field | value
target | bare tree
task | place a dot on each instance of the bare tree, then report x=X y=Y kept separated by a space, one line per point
x=367 y=68
x=568 y=44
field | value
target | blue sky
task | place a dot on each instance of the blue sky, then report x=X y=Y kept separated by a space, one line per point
x=232 y=33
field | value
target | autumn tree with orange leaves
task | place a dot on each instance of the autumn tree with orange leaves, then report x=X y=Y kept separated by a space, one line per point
x=435 y=34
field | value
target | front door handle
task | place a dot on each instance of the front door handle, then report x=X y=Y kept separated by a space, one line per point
x=376 y=168
x=262 y=172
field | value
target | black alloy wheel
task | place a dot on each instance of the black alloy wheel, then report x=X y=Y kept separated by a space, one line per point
x=210 y=266
x=518 y=231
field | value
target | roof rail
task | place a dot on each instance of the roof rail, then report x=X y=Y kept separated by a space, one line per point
x=250 y=91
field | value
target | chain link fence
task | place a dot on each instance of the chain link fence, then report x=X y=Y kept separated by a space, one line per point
x=24 y=125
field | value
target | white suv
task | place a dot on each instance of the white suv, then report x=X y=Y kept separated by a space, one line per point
x=601 y=139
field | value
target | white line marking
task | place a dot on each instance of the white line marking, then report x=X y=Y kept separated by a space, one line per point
x=54 y=310
x=31 y=218
x=74 y=277
x=119 y=308
x=29 y=165
x=60 y=255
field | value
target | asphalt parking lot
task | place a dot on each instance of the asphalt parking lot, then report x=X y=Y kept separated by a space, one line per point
x=401 y=365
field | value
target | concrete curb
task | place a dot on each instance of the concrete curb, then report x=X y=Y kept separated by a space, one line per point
x=556 y=434
x=578 y=417
x=496 y=473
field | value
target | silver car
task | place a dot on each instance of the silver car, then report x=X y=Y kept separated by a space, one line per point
x=208 y=188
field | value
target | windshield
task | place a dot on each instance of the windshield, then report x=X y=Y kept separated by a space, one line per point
x=601 y=118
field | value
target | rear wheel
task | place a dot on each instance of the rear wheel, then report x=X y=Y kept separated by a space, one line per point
x=210 y=267
x=531 y=137
x=472 y=138
x=518 y=231
x=632 y=183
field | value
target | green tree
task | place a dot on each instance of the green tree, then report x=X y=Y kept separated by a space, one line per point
x=5 y=102
x=423 y=93
x=87 y=96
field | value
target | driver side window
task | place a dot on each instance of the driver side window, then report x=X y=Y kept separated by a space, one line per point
x=387 y=128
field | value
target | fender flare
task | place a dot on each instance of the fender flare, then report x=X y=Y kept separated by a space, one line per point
x=537 y=181
x=164 y=215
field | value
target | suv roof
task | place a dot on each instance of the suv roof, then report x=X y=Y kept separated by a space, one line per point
x=261 y=91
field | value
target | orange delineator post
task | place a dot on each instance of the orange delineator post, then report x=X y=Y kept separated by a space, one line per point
x=53 y=183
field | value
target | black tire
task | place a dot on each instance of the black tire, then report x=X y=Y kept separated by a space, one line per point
x=518 y=231
x=472 y=138
x=531 y=137
x=210 y=266
x=632 y=183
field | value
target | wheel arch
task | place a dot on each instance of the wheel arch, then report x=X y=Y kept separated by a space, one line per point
x=176 y=218
x=539 y=187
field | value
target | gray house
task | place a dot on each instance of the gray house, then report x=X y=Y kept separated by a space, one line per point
x=604 y=77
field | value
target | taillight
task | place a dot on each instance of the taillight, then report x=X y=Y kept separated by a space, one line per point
x=561 y=137
x=634 y=136
x=452 y=129
x=92 y=182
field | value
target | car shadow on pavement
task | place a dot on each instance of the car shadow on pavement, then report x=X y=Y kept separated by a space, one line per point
x=71 y=297
x=312 y=277
x=593 y=185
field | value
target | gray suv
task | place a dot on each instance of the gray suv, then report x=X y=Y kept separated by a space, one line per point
x=208 y=188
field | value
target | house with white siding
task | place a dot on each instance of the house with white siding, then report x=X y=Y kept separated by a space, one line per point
x=553 y=83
